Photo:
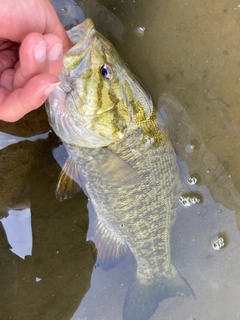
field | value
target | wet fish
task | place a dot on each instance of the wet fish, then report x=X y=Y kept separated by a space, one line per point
x=121 y=155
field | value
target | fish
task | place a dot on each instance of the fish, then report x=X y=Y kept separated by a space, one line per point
x=121 y=156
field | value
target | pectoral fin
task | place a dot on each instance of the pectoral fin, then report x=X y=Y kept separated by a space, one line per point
x=69 y=182
x=114 y=170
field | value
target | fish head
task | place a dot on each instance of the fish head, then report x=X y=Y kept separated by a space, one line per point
x=93 y=106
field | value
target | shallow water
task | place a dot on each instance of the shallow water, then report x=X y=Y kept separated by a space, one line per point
x=187 y=56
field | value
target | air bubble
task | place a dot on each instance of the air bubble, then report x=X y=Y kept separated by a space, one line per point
x=140 y=31
x=195 y=143
x=194 y=179
x=189 y=148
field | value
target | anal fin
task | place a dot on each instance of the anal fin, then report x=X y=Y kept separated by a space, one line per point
x=111 y=248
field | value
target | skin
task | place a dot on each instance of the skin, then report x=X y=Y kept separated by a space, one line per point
x=31 y=52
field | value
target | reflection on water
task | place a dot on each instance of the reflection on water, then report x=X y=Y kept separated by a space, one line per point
x=48 y=280
x=189 y=50
x=19 y=237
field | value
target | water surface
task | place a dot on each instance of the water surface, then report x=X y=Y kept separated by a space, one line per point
x=187 y=56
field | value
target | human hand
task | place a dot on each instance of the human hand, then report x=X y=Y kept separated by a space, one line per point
x=32 y=43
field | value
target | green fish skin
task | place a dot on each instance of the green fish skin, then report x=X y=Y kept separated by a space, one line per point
x=121 y=155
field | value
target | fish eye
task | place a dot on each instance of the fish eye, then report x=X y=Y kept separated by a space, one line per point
x=106 y=72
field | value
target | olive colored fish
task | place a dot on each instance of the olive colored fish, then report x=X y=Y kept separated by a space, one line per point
x=120 y=154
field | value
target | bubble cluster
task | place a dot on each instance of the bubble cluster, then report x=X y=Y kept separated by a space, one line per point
x=191 y=198
x=192 y=180
x=187 y=201
x=148 y=139
x=218 y=244
x=220 y=241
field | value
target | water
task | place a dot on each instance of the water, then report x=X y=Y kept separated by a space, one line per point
x=188 y=58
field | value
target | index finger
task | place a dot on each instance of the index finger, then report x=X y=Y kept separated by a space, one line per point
x=55 y=26
x=45 y=20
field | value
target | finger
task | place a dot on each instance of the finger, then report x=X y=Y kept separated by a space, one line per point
x=8 y=58
x=32 y=57
x=35 y=52
x=54 y=53
x=45 y=21
x=15 y=105
x=6 y=79
x=55 y=26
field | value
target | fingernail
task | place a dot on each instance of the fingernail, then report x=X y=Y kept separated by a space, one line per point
x=40 y=51
x=51 y=87
x=55 y=52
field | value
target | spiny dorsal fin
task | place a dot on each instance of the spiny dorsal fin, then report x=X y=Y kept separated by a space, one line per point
x=69 y=182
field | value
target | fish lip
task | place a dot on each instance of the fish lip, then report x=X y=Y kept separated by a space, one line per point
x=88 y=25
x=84 y=36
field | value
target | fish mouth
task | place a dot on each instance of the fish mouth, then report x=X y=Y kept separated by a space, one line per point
x=82 y=37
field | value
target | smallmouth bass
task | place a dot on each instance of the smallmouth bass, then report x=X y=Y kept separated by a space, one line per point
x=121 y=155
